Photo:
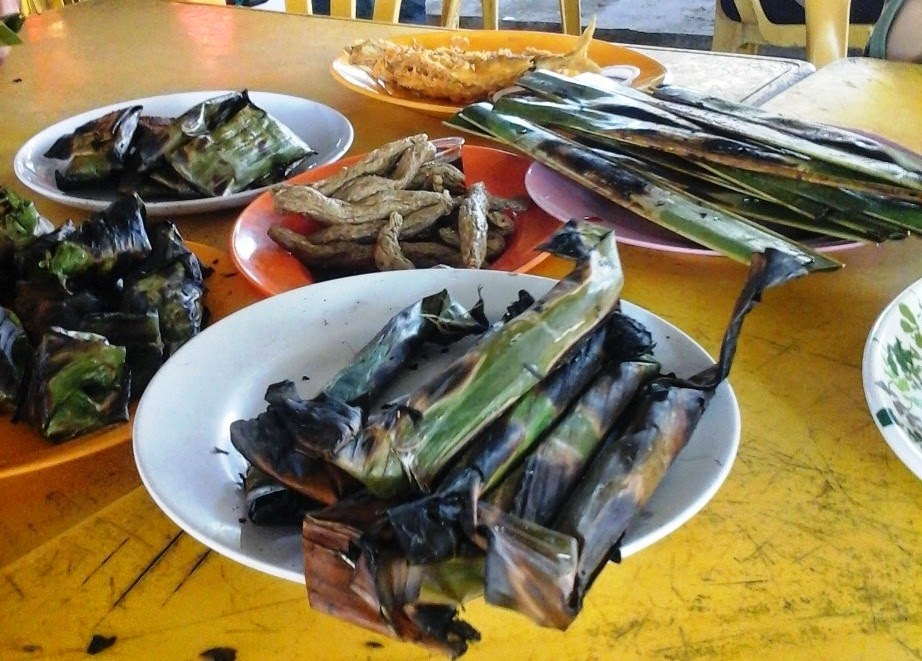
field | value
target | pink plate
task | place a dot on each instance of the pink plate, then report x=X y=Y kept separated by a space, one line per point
x=564 y=199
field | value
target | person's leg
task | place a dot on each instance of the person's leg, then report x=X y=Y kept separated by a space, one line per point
x=904 y=40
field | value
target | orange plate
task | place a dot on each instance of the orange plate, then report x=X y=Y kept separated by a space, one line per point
x=24 y=449
x=273 y=270
x=648 y=71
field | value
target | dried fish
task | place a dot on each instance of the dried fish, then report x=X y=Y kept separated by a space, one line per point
x=502 y=222
x=330 y=211
x=338 y=254
x=388 y=256
x=414 y=224
x=472 y=226
x=410 y=161
x=359 y=257
x=496 y=242
x=439 y=176
x=379 y=161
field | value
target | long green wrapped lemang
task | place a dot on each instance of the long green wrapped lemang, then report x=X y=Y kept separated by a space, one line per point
x=426 y=430
x=832 y=136
x=435 y=526
x=278 y=441
x=545 y=572
x=730 y=235
x=697 y=145
x=751 y=131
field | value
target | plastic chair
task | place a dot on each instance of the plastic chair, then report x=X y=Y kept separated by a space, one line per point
x=570 y=14
x=29 y=7
x=826 y=28
x=386 y=11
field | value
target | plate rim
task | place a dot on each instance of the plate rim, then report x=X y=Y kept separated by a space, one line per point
x=908 y=452
x=174 y=207
x=340 y=66
x=143 y=443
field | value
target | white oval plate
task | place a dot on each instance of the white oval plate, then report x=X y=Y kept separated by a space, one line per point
x=327 y=131
x=181 y=439
x=892 y=374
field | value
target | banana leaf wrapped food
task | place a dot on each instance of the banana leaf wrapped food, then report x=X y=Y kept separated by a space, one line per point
x=514 y=474
x=98 y=306
x=278 y=442
x=15 y=359
x=220 y=146
x=107 y=245
x=20 y=225
x=95 y=152
x=79 y=383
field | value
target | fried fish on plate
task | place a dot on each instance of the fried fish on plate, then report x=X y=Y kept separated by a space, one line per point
x=459 y=75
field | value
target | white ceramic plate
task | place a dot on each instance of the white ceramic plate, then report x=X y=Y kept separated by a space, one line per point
x=327 y=131
x=181 y=438
x=892 y=373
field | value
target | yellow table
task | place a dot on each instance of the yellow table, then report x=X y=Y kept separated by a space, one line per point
x=811 y=548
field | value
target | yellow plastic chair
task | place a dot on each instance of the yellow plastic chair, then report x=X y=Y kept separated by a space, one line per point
x=570 y=14
x=385 y=11
x=827 y=32
x=29 y=7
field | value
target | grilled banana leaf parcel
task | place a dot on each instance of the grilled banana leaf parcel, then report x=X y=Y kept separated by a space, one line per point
x=221 y=146
x=105 y=246
x=546 y=571
x=279 y=441
x=139 y=334
x=249 y=150
x=177 y=299
x=413 y=441
x=20 y=222
x=95 y=151
x=15 y=359
x=224 y=145
x=79 y=383
x=20 y=225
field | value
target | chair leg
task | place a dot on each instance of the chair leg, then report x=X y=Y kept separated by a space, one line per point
x=570 y=16
x=451 y=13
x=728 y=34
x=490 y=14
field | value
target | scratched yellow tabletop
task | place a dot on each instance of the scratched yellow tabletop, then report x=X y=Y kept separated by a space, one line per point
x=811 y=549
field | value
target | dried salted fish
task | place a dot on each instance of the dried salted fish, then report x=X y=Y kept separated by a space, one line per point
x=502 y=222
x=472 y=226
x=496 y=242
x=414 y=224
x=388 y=256
x=421 y=151
x=330 y=211
x=359 y=257
x=438 y=176
x=346 y=255
x=378 y=161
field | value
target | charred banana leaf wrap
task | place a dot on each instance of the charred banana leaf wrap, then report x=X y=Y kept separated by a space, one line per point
x=732 y=178
x=94 y=310
x=221 y=146
x=514 y=474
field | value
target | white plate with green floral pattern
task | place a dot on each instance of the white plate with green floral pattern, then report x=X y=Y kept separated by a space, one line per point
x=892 y=370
